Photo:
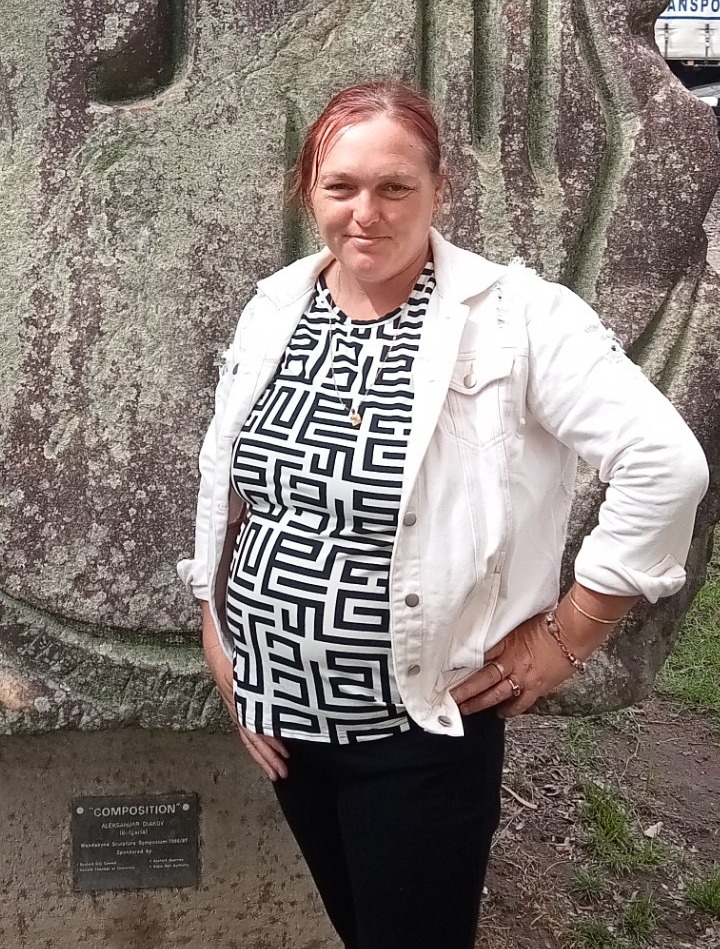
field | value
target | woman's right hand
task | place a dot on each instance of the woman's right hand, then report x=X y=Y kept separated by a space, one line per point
x=267 y=751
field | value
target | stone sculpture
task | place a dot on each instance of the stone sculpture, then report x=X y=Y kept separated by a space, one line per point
x=143 y=149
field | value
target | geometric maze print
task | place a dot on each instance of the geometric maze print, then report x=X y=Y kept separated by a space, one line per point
x=307 y=596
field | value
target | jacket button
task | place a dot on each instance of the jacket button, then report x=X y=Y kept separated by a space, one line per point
x=469 y=380
x=413 y=670
x=444 y=720
x=409 y=520
x=412 y=599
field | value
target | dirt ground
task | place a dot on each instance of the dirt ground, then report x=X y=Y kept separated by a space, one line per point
x=661 y=764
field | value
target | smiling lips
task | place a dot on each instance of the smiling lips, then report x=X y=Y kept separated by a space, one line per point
x=364 y=238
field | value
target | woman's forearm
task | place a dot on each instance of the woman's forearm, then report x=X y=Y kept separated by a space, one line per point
x=586 y=618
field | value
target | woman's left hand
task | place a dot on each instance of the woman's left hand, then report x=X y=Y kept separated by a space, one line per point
x=528 y=659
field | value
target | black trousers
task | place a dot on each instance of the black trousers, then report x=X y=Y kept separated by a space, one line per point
x=397 y=831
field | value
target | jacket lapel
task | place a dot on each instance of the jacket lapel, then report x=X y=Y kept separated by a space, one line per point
x=432 y=370
x=263 y=347
x=461 y=275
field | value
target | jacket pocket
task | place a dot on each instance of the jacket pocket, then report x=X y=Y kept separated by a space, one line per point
x=480 y=407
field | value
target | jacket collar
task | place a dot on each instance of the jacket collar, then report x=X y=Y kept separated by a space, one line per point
x=459 y=274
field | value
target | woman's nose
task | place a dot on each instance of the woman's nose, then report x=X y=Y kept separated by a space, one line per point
x=365 y=210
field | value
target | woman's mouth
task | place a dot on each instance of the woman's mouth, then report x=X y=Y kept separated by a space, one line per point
x=364 y=238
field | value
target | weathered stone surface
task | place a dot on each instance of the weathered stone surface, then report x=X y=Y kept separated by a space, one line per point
x=143 y=147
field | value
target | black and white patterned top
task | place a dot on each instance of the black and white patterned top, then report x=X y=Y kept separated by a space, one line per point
x=307 y=597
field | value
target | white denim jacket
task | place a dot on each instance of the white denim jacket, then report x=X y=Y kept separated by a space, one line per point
x=515 y=377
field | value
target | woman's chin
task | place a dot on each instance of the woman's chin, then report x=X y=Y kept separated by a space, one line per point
x=367 y=269
x=371 y=265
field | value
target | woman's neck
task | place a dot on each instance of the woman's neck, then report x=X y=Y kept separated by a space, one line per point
x=370 y=301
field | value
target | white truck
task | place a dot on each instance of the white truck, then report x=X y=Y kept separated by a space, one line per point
x=689 y=31
x=688 y=36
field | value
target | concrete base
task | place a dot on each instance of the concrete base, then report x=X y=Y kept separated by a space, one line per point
x=254 y=891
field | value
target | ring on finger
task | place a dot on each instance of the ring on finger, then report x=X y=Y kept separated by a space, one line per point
x=499 y=666
x=516 y=689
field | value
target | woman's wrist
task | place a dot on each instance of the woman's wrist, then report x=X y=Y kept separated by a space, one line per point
x=551 y=624
x=584 y=619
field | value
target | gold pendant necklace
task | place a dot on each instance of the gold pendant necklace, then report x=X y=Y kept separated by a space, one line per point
x=354 y=414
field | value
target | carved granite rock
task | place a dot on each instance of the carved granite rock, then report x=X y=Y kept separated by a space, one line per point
x=143 y=148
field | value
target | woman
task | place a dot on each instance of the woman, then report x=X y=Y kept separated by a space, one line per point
x=396 y=430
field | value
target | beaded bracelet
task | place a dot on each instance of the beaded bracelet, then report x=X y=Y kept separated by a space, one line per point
x=554 y=631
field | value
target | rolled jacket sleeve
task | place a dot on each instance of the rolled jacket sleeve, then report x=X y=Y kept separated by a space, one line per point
x=592 y=398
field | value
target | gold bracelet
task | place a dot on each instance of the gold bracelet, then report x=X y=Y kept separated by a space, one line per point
x=597 y=619
x=554 y=631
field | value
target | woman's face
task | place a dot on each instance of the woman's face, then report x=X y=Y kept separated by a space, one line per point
x=374 y=199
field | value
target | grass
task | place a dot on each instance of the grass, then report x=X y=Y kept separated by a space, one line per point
x=580 y=740
x=609 y=835
x=588 y=883
x=692 y=672
x=637 y=923
x=639 y=920
x=594 y=934
x=624 y=722
x=704 y=893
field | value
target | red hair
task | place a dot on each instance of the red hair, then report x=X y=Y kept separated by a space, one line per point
x=358 y=104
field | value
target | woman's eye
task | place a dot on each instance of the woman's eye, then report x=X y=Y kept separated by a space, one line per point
x=394 y=187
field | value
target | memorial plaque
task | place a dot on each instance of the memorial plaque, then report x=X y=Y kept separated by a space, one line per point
x=129 y=843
